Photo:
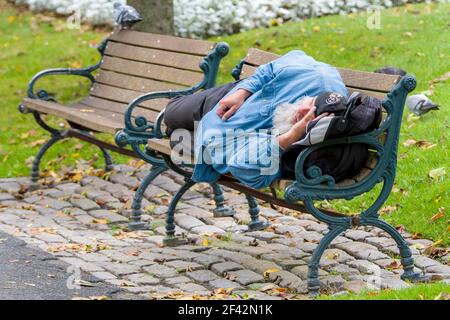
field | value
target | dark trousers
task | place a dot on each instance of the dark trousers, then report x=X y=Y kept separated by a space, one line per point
x=183 y=111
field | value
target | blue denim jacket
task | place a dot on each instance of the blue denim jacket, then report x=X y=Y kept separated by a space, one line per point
x=253 y=156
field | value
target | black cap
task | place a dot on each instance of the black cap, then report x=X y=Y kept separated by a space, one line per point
x=331 y=102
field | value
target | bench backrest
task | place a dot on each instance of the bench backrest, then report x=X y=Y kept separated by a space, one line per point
x=135 y=63
x=370 y=83
x=373 y=84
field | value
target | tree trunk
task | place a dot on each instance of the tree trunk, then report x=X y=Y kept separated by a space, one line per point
x=157 y=16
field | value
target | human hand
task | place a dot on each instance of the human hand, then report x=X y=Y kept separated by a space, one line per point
x=229 y=105
x=300 y=127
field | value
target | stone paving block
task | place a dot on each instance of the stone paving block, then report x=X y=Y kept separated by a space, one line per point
x=306 y=246
x=206 y=229
x=86 y=266
x=439 y=268
x=186 y=254
x=192 y=288
x=161 y=271
x=103 y=275
x=380 y=242
x=310 y=236
x=119 y=269
x=424 y=262
x=288 y=264
x=47 y=237
x=260 y=266
x=302 y=272
x=184 y=266
x=176 y=280
x=143 y=279
x=358 y=235
x=93 y=257
x=364 y=266
x=224 y=267
x=332 y=283
x=6 y=196
x=263 y=235
x=207 y=260
x=255 y=251
x=343 y=269
x=187 y=222
x=125 y=180
x=69 y=187
x=285 y=279
x=108 y=215
x=118 y=256
x=202 y=276
x=84 y=203
x=224 y=284
x=393 y=283
x=355 y=286
x=318 y=227
x=10 y=187
x=54 y=203
x=362 y=250
x=224 y=223
x=142 y=263
x=244 y=277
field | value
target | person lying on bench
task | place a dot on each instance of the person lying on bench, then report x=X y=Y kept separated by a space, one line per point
x=243 y=127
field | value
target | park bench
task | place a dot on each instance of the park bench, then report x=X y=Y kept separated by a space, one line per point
x=310 y=186
x=132 y=64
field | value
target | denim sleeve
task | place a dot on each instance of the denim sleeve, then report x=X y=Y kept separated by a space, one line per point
x=262 y=75
x=267 y=72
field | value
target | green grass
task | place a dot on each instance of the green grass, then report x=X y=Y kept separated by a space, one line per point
x=434 y=291
x=415 y=37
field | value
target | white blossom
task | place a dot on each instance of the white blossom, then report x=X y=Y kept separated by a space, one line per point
x=203 y=18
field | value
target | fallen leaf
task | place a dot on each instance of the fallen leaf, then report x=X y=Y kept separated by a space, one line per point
x=438 y=215
x=37 y=143
x=387 y=210
x=269 y=271
x=205 y=242
x=435 y=174
x=100 y=221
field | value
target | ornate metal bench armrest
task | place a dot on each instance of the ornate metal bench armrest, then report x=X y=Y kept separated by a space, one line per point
x=83 y=72
x=314 y=176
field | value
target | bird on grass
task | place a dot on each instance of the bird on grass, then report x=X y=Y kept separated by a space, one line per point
x=391 y=70
x=125 y=16
x=419 y=104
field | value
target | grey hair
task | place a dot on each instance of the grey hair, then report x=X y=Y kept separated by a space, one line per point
x=282 y=117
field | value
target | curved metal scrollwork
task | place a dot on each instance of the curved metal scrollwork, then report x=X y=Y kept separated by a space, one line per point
x=313 y=185
x=82 y=72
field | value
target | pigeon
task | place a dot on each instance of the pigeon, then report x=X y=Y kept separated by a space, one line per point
x=125 y=16
x=420 y=104
x=391 y=70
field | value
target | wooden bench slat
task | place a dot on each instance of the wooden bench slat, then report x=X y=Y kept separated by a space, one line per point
x=94 y=119
x=116 y=107
x=126 y=96
x=158 y=41
x=160 y=145
x=248 y=71
x=155 y=56
x=134 y=83
x=152 y=71
x=369 y=81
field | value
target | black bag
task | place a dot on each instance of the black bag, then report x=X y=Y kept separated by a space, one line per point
x=362 y=114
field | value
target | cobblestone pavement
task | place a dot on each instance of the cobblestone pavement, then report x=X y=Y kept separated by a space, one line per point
x=84 y=224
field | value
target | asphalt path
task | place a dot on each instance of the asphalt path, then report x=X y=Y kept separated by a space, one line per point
x=27 y=273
